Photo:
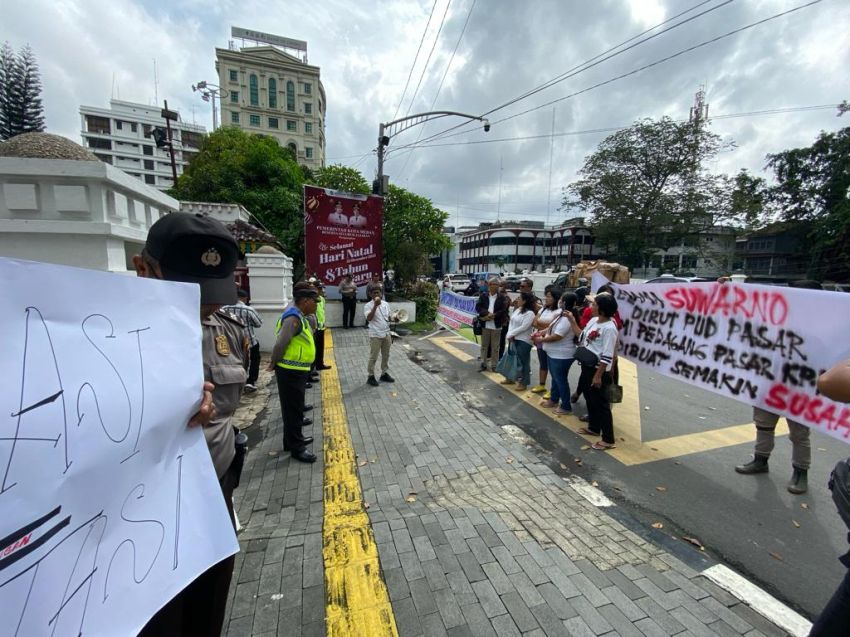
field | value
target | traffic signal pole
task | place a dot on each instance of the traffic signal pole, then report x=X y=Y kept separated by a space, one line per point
x=166 y=114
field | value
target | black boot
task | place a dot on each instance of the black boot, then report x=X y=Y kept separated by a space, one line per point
x=799 y=482
x=757 y=465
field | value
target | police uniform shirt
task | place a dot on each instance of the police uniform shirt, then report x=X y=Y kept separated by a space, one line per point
x=223 y=349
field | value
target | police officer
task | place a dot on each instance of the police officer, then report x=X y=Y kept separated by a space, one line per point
x=197 y=249
x=320 y=328
x=292 y=357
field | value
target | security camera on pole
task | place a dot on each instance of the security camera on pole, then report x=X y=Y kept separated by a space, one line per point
x=390 y=129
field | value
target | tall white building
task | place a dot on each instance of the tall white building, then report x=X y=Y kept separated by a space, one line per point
x=269 y=91
x=122 y=136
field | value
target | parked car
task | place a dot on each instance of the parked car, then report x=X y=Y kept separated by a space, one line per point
x=669 y=278
x=512 y=282
x=456 y=282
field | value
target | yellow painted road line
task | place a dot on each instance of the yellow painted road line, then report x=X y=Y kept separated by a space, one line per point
x=357 y=602
x=631 y=450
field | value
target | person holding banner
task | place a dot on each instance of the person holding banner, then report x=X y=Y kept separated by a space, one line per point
x=595 y=353
x=196 y=249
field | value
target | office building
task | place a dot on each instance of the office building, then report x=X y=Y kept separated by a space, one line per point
x=122 y=135
x=269 y=91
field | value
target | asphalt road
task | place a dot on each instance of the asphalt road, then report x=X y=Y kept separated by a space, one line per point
x=786 y=544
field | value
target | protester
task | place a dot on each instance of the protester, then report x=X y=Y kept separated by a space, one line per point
x=181 y=247
x=319 y=363
x=799 y=435
x=834 y=620
x=377 y=313
x=248 y=315
x=375 y=284
x=503 y=292
x=519 y=336
x=544 y=318
x=527 y=285
x=291 y=359
x=558 y=341
x=583 y=289
x=595 y=354
x=348 y=292
x=587 y=311
x=493 y=313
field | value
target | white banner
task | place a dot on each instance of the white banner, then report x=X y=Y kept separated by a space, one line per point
x=763 y=345
x=109 y=503
x=456 y=310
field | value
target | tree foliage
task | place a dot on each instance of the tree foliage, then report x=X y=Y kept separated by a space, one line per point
x=646 y=189
x=21 y=110
x=812 y=186
x=413 y=230
x=233 y=166
x=339 y=177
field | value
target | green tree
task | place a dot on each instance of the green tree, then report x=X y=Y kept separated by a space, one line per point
x=413 y=230
x=339 y=177
x=21 y=110
x=233 y=166
x=749 y=199
x=812 y=186
x=646 y=189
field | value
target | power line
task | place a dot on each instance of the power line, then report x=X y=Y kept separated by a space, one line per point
x=590 y=63
x=428 y=61
x=651 y=64
x=416 y=57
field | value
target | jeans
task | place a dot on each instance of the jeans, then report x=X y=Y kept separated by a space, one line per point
x=523 y=354
x=835 y=617
x=349 y=309
x=559 y=368
x=600 y=419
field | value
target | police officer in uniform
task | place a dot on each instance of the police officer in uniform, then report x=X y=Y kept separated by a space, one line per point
x=319 y=365
x=197 y=249
x=292 y=357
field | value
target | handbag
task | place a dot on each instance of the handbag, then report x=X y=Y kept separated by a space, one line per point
x=477 y=326
x=585 y=357
x=614 y=393
x=508 y=365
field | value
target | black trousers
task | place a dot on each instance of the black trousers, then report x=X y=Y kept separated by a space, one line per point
x=349 y=309
x=199 y=608
x=253 y=364
x=319 y=340
x=600 y=419
x=834 y=620
x=291 y=387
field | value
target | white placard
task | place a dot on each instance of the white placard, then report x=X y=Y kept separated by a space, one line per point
x=109 y=503
x=763 y=345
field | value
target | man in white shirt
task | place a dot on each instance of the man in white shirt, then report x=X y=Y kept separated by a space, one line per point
x=337 y=217
x=492 y=312
x=356 y=220
x=377 y=313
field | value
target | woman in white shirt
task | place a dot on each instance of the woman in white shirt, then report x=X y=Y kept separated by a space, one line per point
x=600 y=338
x=545 y=316
x=519 y=337
x=559 y=344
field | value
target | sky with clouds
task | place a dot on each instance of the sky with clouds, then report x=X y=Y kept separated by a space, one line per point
x=480 y=54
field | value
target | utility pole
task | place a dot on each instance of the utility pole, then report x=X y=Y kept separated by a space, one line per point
x=551 y=147
x=499 y=204
x=168 y=116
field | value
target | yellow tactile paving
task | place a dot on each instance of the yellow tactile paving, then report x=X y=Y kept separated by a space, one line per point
x=357 y=602
x=631 y=450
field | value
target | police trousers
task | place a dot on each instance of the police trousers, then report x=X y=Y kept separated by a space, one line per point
x=199 y=608
x=291 y=388
x=801 y=446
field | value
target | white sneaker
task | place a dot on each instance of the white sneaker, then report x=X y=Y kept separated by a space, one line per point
x=250 y=388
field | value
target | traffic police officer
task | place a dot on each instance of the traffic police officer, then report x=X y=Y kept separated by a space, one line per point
x=292 y=357
x=320 y=328
x=197 y=249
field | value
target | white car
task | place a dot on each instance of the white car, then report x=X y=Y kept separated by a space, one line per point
x=456 y=282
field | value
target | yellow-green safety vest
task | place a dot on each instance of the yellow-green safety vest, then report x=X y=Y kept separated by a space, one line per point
x=301 y=350
x=320 y=313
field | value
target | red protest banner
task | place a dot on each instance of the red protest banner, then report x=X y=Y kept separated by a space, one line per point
x=342 y=235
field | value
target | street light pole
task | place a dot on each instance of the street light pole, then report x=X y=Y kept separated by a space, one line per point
x=209 y=93
x=402 y=124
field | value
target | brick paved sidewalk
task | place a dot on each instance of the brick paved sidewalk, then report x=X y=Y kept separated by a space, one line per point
x=476 y=536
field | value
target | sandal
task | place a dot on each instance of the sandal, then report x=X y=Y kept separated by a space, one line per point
x=599 y=445
x=584 y=431
x=562 y=412
x=548 y=404
x=584 y=418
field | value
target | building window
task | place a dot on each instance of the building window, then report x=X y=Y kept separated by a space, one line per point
x=254 y=90
x=234 y=118
x=192 y=140
x=150 y=179
x=234 y=97
x=149 y=164
x=290 y=96
x=273 y=123
x=308 y=152
x=234 y=75
x=308 y=108
x=104 y=144
x=96 y=124
x=308 y=128
x=291 y=146
x=104 y=158
x=255 y=120
x=291 y=125
x=133 y=127
x=146 y=130
x=119 y=124
x=147 y=150
x=272 y=93
x=308 y=88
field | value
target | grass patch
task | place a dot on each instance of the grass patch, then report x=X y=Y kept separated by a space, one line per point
x=418 y=328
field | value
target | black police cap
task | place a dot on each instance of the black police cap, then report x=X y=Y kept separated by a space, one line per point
x=193 y=248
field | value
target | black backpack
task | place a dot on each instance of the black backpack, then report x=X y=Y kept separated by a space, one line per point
x=839 y=484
